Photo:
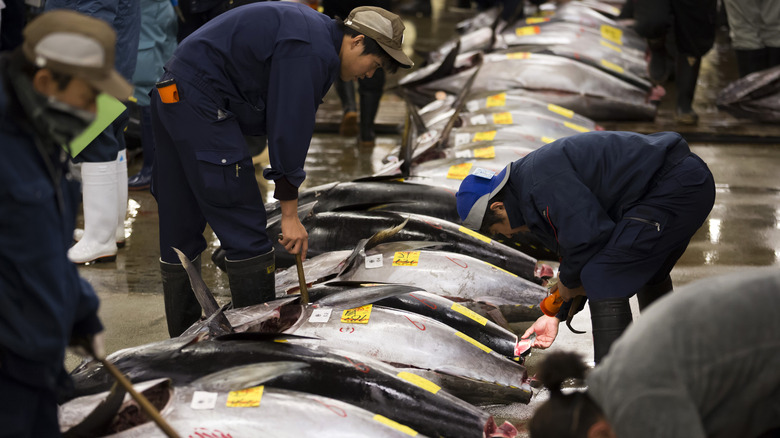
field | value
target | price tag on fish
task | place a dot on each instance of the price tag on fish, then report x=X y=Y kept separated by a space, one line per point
x=496 y=100
x=203 y=400
x=320 y=315
x=613 y=34
x=612 y=66
x=406 y=258
x=548 y=139
x=484 y=136
x=576 y=127
x=358 y=315
x=245 y=398
x=527 y=30
x=458 y=171
x=536 y=20
x=560 y=110
x=485 y=153
x=462 y=138
x=374 y=261
x=504 y=118
x=479 y=119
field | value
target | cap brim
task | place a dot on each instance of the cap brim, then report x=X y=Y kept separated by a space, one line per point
x=114 y=85
x=398 y=55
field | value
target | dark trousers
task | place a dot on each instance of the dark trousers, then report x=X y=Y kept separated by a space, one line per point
x=692 y=21
x=653 y=234
x=203 y=173
x=27 y=411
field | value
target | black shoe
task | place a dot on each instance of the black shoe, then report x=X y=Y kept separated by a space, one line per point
x=252 y=281
x=141 y=180
x=181 y=307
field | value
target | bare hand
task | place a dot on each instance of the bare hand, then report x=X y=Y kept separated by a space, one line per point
x=545 y=328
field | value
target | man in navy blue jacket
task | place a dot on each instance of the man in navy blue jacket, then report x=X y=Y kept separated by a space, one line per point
x=259 y=69
x=619 y=208
x=48 y=88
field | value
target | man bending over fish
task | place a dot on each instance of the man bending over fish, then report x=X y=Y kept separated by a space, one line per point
x=619 y=208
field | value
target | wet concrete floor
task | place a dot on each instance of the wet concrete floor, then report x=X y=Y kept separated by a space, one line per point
x=742 y=232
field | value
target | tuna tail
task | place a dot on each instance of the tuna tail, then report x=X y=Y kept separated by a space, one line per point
x=205 y=298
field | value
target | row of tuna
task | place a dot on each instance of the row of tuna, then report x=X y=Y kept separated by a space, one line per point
x=405 y=332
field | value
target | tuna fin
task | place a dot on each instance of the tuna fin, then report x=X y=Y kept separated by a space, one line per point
x=97 y=422
x=369 y=243
x=246 y=376
x=203 y=294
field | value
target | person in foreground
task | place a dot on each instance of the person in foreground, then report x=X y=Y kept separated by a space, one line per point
x=619 y=208
x=702 y=362
x=258 y=69
x=48 y=88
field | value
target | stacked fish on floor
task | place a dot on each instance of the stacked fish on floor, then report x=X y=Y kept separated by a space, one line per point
x=383 y=358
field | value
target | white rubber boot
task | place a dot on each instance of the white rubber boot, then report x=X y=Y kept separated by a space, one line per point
x=121 y=185
x=98 y=243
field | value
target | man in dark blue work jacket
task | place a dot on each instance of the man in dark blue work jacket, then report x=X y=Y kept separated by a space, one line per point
x=260 y=69
x=48 y=88
x=619 y=207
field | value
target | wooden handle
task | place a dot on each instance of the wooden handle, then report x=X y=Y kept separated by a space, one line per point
x=302 y=280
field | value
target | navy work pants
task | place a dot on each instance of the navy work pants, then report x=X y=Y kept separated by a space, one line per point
x=203 y=173
x=653 y=234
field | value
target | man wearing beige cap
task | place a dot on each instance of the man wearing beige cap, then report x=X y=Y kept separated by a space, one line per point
x=48 y=88
x=260 y=69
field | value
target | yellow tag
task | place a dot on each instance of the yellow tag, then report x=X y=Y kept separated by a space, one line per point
x=612 y=34
x=420 y=381
x=474 y=342
x=576 y=127
x=395 y=425
x=469 y=313
x=504 y=118
x=245 y=398
x=474 y=234
x=488 y=152
x=406 y=258
x=459 y=171
x=527 y=30
x=358 y=315
x=536 y=20
x=611 y=46
x=501 y=269
x=548 y=139
x=560 y=110
x=484 y=136
x=496 y=100
x=518 y=55
x=612 y=66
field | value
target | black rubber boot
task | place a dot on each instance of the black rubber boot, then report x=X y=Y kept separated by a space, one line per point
x=181 y=307
x=252 y=281
x=651 y=292
x=751 y=61
x=346 y=92
x=658 y=65
x=609 y=318
x=371 y=90
x=686 y=75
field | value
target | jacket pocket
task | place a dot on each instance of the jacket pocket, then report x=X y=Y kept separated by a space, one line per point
x=219 y=176
x=639 y=230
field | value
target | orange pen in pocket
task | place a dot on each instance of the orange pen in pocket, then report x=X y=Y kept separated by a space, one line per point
x=168 y=91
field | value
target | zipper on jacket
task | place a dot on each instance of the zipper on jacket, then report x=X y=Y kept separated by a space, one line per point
x=645 y=221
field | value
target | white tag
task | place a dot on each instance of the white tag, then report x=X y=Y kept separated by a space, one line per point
x=472 y=105
x=374 y=261
x=468 y=153
x=203 y=400
x=483 y=173
x=479 y=119
x=462 y=138
x=320 y=315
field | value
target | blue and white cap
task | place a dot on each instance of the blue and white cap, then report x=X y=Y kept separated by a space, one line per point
x=474 y=193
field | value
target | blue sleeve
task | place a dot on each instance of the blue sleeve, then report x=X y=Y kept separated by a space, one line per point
x=295 y=90
x=580 y=224
x=86 y=321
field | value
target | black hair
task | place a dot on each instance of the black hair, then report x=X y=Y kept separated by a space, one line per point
x=563 y=415
x=491 y=218
x=371 y=47
x=29 y=69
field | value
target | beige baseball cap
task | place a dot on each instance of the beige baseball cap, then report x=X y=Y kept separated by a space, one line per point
x=78 y=45
x=382 y=26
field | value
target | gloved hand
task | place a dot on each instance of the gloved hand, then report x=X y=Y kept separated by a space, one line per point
x=88 y=345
